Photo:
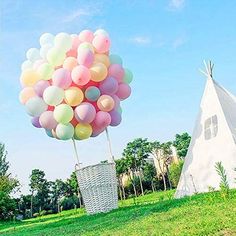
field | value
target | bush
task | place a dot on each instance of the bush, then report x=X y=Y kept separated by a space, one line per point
x=175 y=172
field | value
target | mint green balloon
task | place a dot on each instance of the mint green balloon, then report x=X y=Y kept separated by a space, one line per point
x=128 y=77
x=56 y=56
x=63 y=113
x=63 y=41
x=45 y=71
x=65 y=131
x=115 y=59
x=53 y=95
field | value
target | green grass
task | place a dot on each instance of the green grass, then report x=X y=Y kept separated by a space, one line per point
x=154 y=214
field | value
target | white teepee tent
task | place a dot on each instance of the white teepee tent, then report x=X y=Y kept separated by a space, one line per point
x=213 y=140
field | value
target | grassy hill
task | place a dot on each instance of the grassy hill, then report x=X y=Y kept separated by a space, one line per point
x=154 y=214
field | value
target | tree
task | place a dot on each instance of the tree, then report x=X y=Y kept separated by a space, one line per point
x=181 y=143
x=4 y=165
x=135 y=154
x=175 y=172
x=40 y=187
x=149 y=172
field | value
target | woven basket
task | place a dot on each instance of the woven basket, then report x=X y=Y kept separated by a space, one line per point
x=98 y=186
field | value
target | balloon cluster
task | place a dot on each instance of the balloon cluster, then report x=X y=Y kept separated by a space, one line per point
x=72 y=86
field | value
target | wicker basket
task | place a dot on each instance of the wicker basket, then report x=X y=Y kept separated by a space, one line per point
x=98 y=186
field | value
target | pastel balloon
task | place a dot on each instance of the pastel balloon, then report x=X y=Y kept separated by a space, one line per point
x=116 y=71
x=98 y=72
x=37 y=64
x=62 y=78
x=40 y=86
x=65 y=131
x=74 y=96
x=27 y=65
x=115 y=118
x=115 y=59
x=56 y=57
x=128 y=77
x=109 y=86
x=105 y=103
x=26 y=94
x=75 y=43
x=85 y=45
x=35 y=106
x=80 y=75
x=101 y=31
x=49 y=133
x=45 y=71
x=44 y=50
x=63 y=113
x=97 y=131
x=123 y=91
x=70 y=63
x=33 y=54
x=86 y=36
x=29 y=77
x=102 y=119
x=85 y=57
x=116 y=100
x=63 y=41
x=35 y=122
x=101 y=43
x=83 y=131
x=85 y=112
x=46 y=38
x=53 y=95
x=102 y=58
x=92 y=93
x=47 y=120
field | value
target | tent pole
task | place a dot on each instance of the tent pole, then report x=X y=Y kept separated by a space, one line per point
x=76 y=153
x=109 y=146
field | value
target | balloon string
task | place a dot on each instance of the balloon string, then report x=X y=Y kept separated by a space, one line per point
x=76 y=152
x=109 y=145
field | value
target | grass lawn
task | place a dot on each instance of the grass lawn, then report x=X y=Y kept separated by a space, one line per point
x=154 y=214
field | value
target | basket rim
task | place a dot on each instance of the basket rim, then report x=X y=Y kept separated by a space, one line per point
x=99 y=164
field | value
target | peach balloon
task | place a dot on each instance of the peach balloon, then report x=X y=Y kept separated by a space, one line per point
x=26 y=94
x=105 y=103
x=98 y=72
x=102 y=58
x=74 y=96
x=70 y=63
x=86 y=36
x=80 y=75
x=101 y=43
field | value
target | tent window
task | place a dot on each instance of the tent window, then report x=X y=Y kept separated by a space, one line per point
x=211 y=127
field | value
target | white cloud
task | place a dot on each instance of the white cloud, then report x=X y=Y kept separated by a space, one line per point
x=179 y=41
x=77 y=14
x=176 y=5
x=141 y=40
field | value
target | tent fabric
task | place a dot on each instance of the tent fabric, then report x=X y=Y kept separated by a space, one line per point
x=213 y=140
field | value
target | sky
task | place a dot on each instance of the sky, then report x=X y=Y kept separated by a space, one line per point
x=163 y=42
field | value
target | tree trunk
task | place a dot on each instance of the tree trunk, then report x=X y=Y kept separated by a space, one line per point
x=120 y=191
x=58 y=206
x=31 y=206
x=141 y=184
x=133 y=184
x=153 y=190
x=164 y=180
x=168 y=176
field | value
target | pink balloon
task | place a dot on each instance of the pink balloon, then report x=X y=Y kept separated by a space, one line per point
x=85 y=112
x=124 y=91
x=62 y=78
x=115 y=118
x=86 y=36
x=117 y=101
x=109 y=86
x=85 y=57
x=47 y=120
x=101 y=43
x=102 y=119
x=116 y=71
x=40 y=86
x=80 y=75
x=97 y=131
x=75 y=43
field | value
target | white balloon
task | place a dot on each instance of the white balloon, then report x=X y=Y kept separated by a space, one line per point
x=63 y=41
x=101 y=31
x=33 y=54
x=46 y=38
x=35 y=106
x=44 y=50
x=27 y=65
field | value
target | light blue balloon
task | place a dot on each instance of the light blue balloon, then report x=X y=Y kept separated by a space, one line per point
x=49 y=133
x=128 y=77
x=35 y=106
x=65 y=131
x=92 y=93
x=115 y=59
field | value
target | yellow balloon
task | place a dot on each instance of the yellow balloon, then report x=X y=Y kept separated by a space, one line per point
x=26 y=94
x=83 y=131
x=74 y=96
x=29 y=77
x=98 y=72
x=102 y=58
x=70 y=63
